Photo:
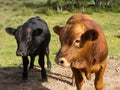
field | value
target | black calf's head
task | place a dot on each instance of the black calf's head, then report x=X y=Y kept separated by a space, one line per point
x=24 y=36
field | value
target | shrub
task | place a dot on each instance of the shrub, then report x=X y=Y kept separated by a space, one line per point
x=25 y=11
x=89 y=11
x=47 y=11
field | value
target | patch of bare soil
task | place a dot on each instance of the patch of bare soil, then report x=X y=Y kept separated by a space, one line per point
x=59 y=78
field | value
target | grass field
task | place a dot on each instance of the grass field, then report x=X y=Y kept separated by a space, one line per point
x=110 y=22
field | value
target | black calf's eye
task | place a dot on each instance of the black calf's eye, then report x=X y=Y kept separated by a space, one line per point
x=28 y=39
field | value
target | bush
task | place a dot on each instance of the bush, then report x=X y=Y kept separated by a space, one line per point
x=35 y=2
x=25 y=11
x=47 y=11
x=66 y=12
x=9 y=2
x=89 y=11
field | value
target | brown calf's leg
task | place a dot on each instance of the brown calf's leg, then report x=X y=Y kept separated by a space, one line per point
x=99 y=77
x=73 y=79
x=78 y=78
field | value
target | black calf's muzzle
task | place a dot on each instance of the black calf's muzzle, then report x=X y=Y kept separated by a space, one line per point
x=21 y=53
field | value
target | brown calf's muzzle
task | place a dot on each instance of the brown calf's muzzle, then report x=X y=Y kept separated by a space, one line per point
x=63 y=62
x=61 y=59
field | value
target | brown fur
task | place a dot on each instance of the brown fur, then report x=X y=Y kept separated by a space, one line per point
x=84 y=48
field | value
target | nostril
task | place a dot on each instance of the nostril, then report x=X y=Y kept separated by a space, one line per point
x=22 y=53
x=61 y=62
x=18 y=53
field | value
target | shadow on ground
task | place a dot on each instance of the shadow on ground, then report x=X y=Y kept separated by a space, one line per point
x=10 y=79
x=59 y=78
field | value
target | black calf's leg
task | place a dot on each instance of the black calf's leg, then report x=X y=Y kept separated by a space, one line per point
x=32 y=62
x=48 y=59
x=25 y=65
x=42 y=63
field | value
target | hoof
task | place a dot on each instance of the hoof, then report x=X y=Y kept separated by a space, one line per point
x=88 y=76
x=30 y=69
x=49 y=66
x=44 y=80
x=73 y=84
x=24 y=80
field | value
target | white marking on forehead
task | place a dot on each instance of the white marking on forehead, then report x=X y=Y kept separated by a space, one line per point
x=29 y=29
x=77 y=30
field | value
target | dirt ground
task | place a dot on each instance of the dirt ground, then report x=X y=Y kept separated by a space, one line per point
x=59 y=78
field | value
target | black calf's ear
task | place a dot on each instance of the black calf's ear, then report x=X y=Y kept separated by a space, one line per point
x=37 y=32
x=10 y=31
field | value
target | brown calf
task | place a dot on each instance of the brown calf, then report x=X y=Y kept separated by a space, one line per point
x=83 y=48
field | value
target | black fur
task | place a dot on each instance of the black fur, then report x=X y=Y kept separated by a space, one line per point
x=33 y=39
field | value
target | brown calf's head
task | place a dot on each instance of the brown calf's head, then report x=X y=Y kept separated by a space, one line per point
x=76 y=44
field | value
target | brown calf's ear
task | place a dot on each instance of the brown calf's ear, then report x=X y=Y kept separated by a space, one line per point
x=57 y=29
x=89 y=35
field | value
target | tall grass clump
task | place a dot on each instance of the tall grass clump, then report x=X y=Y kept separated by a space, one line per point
x=47 y=11
x=26 y=11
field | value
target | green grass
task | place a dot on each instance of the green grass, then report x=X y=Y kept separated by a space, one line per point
x=110 y=22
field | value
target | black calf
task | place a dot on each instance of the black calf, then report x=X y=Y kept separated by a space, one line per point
x=33 y=39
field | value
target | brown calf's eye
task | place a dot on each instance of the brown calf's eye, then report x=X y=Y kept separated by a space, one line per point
x=77 y=41
x=77 y=44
